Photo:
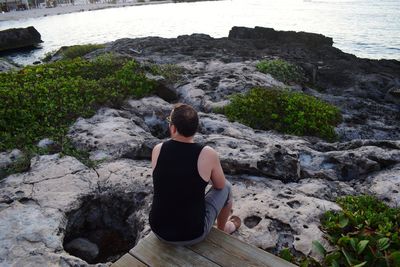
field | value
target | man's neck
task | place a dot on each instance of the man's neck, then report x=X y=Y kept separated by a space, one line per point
x=183 y=139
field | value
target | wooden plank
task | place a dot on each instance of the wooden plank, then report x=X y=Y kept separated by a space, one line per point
x=128 y=261
x=153 y=252
x=226 y=250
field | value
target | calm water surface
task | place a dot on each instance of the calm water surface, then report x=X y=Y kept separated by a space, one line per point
x=366 y=28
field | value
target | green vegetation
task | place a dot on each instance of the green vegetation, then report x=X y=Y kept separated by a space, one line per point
x=21 y=165
x=74 y=51
x=365 y=233
x=281 y=70
x=42 y=101
x=284 y=111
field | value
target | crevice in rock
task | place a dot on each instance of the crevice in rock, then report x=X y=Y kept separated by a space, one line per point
x=285 y=235
x=384 y=163
x=105 y=227
x=27 y=200
x=252 y=221
x=54 y=178
x=158 y=127
x=294 y=204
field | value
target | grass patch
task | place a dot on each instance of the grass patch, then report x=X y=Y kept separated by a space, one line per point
x=282 y=70
x=284 y=111
x=43 y=101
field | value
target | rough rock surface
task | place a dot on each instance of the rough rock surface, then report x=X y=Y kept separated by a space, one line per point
x=282 y=184
x=34 y=205
x=8 y=158
x=19 y=38
x=5 y=65
x=110 y=134
x=363 y=89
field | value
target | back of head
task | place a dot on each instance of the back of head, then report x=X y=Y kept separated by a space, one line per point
x=185 y=119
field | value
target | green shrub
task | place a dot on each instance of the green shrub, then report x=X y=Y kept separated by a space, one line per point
x=302 y=261
x=281 y=70
x=42 y=101
x=365 y=233
x=75 y=51
x=284 y=111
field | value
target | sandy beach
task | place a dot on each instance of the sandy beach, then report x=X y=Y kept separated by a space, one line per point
x=59 y=10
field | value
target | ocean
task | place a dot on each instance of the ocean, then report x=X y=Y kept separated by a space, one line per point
x=366 y=28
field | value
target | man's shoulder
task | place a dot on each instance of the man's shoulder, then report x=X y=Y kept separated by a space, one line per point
x=157 y=147
x=208 y=151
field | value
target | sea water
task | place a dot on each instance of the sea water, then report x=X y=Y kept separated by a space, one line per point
x=366 y=28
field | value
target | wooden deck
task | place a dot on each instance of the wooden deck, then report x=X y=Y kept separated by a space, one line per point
x=218 y=249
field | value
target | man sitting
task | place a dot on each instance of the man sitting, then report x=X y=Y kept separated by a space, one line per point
x=181 y=212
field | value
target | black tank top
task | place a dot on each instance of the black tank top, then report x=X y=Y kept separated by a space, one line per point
x=178 y=209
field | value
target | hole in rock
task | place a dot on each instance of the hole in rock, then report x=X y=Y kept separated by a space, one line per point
x=252 y=221
x=158 y=127
x=294 y=204
x=105 y=227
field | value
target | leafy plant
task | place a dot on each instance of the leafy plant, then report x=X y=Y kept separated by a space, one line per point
x=364 y=233
x=42 y=101
x=281 y=70
x=302 y=261
x=284 y=111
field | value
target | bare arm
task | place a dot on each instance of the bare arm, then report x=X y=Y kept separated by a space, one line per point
x=154 y=155
x=210 y=168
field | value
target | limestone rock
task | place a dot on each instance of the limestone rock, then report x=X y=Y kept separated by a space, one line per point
x=282 y=184
x=83 y=248
x=359 y=87
x=35 y=206
x=350 y=160
x=6 y=66
x=36 y=203
x=270 y=35
x=19 y=38
x=277 y=215
x=385 y=185
x=163 y=88
x=110 y=134
x=45 y=143
x=7 y=159
x=393 y=95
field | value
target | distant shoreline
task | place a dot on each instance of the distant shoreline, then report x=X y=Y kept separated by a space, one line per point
x=60 y=10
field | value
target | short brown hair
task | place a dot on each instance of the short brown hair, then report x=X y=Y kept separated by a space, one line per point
x=185 y=119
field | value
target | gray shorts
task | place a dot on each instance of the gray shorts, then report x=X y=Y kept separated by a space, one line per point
x=215 y=199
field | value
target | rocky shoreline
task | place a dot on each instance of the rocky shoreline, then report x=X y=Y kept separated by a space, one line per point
x=282 y=184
